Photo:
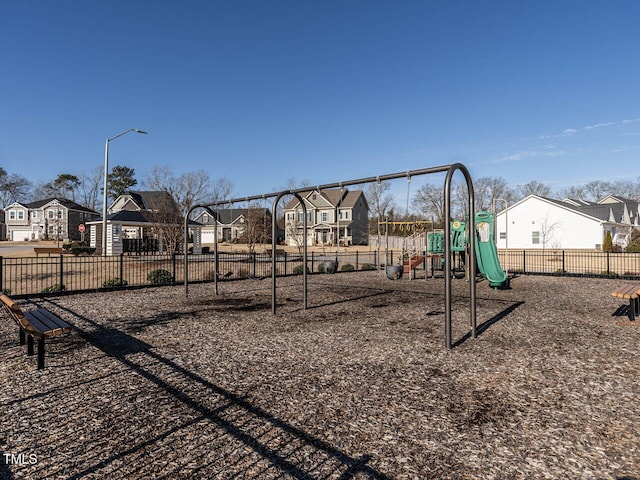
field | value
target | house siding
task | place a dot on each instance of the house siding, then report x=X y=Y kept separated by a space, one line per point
x=558 y=227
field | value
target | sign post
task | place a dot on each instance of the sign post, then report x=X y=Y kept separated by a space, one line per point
x=81 y=229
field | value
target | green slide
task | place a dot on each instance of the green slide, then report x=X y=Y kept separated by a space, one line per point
x=486 y=252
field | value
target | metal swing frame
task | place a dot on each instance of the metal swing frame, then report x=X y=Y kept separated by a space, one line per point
x=449 y=169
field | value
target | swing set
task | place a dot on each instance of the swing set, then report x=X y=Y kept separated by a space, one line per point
x=212 y=209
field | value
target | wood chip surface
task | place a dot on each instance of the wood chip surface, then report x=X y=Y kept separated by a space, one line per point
x=154 y=385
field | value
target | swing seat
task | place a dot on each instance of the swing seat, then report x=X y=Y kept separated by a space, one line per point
x=330 y=266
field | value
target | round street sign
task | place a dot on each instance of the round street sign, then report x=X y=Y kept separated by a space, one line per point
x=81 y=228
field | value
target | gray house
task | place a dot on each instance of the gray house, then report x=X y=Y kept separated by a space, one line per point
x=333 y=216
x=139 y=221
x=233 y=224
x=48 y=219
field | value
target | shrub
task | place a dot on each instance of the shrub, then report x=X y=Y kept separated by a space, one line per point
x=298 y=269
x=347 y=267
x=56 y=287
x=114 y=282
x=321 y=267
x=6 y=291
x=609 y=274
x=160 y=277
x=368 y=266
x=81 y=249
x=607 y=246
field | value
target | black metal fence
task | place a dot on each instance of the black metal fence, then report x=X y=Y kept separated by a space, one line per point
x=571 y=262
x=29 y=276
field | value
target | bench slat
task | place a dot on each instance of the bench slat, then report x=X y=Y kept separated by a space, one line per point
x=44 y=322
x=627 y=291
x=36 y=327
x=56 y=325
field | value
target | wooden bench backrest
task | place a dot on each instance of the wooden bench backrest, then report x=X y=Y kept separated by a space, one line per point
x=15 y=311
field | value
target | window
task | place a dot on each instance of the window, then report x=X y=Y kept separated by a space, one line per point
x=34 y=214
x=59 y=213
x=12 y=214
x=205 y=218
x=325 y=216
x=503 y=235
x=20 y=215
x=50 y=214
x=535 y=238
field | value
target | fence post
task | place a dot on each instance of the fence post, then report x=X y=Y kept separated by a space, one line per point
x=357 y=260
x=563 y=269
x=61 y=272
x=1 y=277
x=313 y=259
x=608 y=264
x=173 y=264
x=121 y=266
x=285 y=263
x=524 y=261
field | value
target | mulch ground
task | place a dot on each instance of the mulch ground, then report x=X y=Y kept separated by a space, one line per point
x=358 y=385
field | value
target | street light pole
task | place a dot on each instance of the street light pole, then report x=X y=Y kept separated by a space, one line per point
x=104 y=189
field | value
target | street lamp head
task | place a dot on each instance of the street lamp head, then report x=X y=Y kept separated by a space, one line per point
x=137 y=130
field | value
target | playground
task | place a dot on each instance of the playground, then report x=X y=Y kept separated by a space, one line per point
x=358 y=385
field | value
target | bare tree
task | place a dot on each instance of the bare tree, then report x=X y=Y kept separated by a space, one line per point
x=221 y=190
x=534 y=187
x=487 y=189
x=380 y=201
x=597 y=189
x=257 y=227
x=429 y=201
x=547 y=227
x=576 y=192
x=166 y=223
x=90 y=187
x=188 y=189
x=13 y=188
x=625 y=188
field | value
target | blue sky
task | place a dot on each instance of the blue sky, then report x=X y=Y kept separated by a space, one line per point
x=263 y=91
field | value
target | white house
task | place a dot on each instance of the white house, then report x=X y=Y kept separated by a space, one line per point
x=539 y=222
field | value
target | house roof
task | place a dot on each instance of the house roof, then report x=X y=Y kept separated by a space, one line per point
x=154 y=200
x=602 y=212
x=227 y=216
x=333 y=196
x=62 y=201
x=132 y=217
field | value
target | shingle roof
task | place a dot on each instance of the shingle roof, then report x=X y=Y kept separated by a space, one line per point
x=333 y=196
x=62 y=201
x=601 y=211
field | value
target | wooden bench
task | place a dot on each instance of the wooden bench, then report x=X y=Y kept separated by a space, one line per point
x=47 y=250
x=631 y=293
x=36 y=324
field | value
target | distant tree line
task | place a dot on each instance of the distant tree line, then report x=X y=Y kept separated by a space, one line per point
x=86 y=188
x=490 y=192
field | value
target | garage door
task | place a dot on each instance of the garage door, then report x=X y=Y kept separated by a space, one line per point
x=207 y=236
x=20 y=235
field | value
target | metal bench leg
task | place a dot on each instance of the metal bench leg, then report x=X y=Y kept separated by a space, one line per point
x=23 y=337
x=40 y=353
x=29 y=345
x=632 y=309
